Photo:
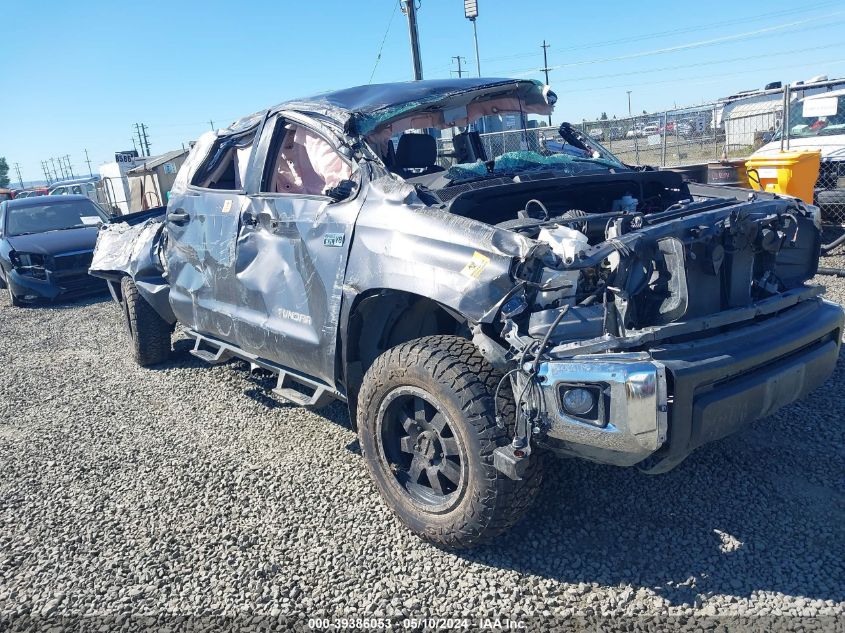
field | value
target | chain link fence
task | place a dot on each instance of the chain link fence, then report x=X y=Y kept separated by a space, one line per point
x=711 y=142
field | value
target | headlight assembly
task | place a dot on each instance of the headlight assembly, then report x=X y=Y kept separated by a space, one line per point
x=29 y=264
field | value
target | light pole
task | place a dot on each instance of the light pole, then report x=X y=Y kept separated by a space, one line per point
x=471 y=12
x=629 y=103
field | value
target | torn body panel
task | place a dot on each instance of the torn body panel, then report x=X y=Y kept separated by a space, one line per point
x=402 y=244
x=130 y=245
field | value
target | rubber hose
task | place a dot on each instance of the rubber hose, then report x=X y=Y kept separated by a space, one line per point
x=826 y=248
x=834 y=272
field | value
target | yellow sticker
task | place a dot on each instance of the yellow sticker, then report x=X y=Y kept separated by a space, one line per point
x=476 y=265
x=227 y=206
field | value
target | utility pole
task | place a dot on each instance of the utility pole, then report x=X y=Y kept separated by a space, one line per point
x=140 y=142
x=134 y=146
x=53 y=163
x=629 y=103
x=460 y=71
x=146 y=141
x=69 y=166
x=143 y=142
x=18 y=170
x=46 y=172
x=88 y=160
x=546 y=70
x=211 y=123
x=409 y=8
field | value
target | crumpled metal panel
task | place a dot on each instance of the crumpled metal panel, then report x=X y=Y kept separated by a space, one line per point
x=362 y=109
x=270 y=273
x=133 y=249
x=401 y=244
x=125 y=249
x=263 y=272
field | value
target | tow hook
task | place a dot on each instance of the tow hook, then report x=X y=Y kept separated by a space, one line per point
x=511 y=461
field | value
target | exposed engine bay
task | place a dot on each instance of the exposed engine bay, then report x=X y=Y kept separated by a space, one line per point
x=632 y=250
x=632 y=259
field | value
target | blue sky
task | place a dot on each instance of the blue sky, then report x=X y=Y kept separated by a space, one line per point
x=78 y=75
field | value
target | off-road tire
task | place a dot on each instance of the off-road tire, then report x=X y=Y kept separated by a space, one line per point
x=462 y=383
x=832 y=204
x=149 y=334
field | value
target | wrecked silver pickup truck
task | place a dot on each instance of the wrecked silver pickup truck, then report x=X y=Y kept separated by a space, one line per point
x=478 y=313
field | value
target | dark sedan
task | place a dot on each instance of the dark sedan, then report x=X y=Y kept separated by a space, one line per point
x=46 y=244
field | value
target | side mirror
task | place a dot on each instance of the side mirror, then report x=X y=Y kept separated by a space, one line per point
x=342 y=190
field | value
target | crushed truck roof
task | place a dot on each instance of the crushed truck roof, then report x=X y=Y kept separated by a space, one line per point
x=362 y=109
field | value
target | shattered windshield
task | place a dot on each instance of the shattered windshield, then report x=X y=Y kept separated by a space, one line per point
x=816 y=116
x=512 y=163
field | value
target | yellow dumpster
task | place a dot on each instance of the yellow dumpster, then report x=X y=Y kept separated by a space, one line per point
x=789 y=173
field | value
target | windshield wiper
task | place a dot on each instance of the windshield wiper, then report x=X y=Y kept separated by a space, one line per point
x=75 y=226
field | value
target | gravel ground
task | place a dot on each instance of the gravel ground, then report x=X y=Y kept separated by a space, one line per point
x=187 y=490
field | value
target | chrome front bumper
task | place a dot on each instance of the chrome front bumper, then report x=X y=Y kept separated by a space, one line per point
x=634 y=423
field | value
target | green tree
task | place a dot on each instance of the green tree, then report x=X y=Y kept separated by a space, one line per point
x=603 y=116
x=4 y=172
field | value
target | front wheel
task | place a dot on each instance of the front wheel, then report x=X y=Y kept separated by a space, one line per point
x=13 y=299
x=427 y=430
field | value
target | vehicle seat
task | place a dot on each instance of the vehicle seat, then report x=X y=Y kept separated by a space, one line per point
x=416 y=155
x=468 y=147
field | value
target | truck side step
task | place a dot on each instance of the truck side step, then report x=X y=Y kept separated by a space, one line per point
x=291 y=386
x=319 y=397
x=212 y=357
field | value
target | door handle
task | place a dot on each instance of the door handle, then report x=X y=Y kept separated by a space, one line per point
x=178 y=217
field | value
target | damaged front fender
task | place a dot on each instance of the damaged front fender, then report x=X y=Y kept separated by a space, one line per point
x=130 y=245
x=401 y=244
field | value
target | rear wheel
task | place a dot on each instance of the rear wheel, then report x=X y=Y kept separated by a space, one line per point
x=149 y=334
x=427 y=429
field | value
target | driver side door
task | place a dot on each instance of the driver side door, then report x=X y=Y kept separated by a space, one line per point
x=292 y=246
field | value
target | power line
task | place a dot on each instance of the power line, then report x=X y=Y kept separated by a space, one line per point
x=383 y=40
x=702 y=43
x=803 y=10
x=731 y=60
x=741 y=72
